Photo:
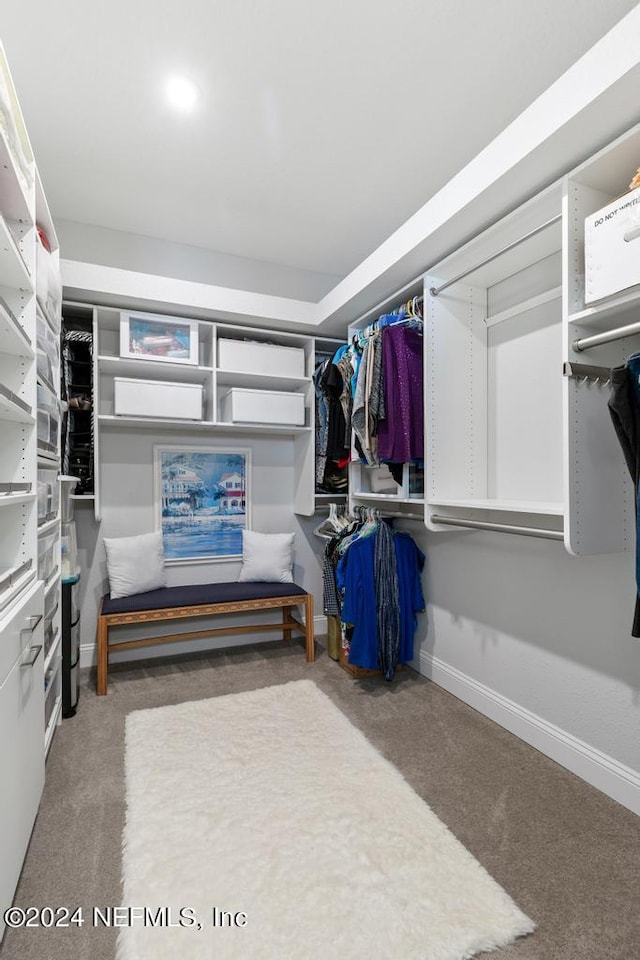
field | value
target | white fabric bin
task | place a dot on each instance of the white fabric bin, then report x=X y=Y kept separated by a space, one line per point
x=249 y=356
x=157 y=398
x=612 y=248
x=263 y=406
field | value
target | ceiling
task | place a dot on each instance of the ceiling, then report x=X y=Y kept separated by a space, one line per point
x=320 y=128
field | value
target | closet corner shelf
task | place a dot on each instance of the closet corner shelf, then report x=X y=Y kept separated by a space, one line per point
x=13 y=269
x=328 y=497
x=15 y=203
x=52 y=724
x=551 y=508
x=598 y=313
x=259 y=381
x=13 y=338
x=83 y=497
x=152 y=369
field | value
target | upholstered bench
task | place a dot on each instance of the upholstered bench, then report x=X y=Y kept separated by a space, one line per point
x=201 y=600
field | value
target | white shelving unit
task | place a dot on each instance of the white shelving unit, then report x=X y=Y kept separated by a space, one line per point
x=48 y=376
x=21 y=594
x=599 y=490
x=210 y=373
x=493 y=317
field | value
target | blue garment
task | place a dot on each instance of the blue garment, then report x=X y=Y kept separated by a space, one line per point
x=355 y=577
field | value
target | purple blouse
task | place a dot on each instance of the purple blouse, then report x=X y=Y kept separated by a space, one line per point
x=401 y=433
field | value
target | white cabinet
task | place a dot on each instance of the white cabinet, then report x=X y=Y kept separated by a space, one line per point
x=21 y=721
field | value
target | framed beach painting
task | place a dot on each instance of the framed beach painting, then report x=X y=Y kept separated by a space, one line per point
x=147 y=336
x=202 y=501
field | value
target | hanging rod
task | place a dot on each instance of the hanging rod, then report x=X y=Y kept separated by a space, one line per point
x=584 y=343
x=434 y=291
x=586 y=371
x=500 y=527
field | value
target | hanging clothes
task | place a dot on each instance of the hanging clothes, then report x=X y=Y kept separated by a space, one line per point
x=379 y=582
x=331 y=431
x=401 y=432
x=624 y=407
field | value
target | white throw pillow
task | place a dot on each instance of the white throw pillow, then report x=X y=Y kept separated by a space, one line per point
x=267 y=556
x=135 y=564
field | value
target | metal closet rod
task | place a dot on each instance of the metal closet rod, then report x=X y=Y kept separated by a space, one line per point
x=434 y=291
x=500 y=527
x=599 y=338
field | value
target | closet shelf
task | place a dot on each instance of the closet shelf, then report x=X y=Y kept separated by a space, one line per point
x=260 y=381
x=13 y=408
x=525 y=306
x=13 y=269
x=152 y=369
x=388 y=498
x=79 y=497
x=13 y=338
x=15 y=202
x=12 y=498
x=600 y=313
x=13 y=580
x=550 y=509
x=110 y=420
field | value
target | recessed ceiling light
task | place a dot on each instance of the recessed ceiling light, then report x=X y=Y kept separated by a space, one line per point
x=182 y=94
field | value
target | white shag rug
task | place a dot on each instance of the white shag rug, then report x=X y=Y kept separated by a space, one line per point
x=272 y=807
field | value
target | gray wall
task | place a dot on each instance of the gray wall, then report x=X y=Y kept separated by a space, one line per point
x=129 y=251
x=546 y=630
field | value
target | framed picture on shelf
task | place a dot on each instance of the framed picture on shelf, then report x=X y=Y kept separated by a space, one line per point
x=147 y=336
x=202 y=501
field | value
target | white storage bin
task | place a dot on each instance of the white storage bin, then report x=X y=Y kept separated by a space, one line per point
x=48 y=495
x=43 y=428
x=612 y=248
x=249 y=356
x=47 y=553
x=47 y=350
x=157 y=398
x=263 y=406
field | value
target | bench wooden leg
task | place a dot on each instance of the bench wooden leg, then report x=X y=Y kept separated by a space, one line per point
x=287 y=623
x=103 y=656
x=309 y=634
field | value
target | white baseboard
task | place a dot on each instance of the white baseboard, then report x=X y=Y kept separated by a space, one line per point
x=618 y=781
x=88 y=650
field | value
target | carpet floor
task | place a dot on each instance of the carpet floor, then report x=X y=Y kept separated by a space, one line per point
x=231 y=806
x=568 y=855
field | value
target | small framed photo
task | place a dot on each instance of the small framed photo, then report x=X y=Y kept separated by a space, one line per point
x=147 y=336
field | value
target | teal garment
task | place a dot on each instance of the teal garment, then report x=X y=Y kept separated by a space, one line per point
x=355 y=578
